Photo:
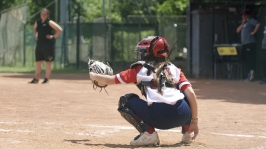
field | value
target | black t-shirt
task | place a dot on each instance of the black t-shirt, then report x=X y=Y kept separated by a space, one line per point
x=43 y=29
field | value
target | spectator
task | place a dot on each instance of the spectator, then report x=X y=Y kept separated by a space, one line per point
x=263 y=81
x=45 y=33
x=248 y=29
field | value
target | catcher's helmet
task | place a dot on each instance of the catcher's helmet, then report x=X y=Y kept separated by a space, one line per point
x=153 y=46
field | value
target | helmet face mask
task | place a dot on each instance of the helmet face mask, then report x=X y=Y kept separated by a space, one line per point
x=141 y=52
x=152 y=46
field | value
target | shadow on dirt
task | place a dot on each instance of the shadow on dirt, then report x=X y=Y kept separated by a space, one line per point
x=123 y=145
x=230 y=91
x=77 y=141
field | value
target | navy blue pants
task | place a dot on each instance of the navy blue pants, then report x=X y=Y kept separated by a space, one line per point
x=161 y=115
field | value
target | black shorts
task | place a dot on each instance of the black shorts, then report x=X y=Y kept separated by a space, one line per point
x=45 y=52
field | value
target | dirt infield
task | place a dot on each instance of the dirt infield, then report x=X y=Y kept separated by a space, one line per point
x=68 y=114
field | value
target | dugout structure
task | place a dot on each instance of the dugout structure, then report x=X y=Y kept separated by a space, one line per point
x=213 y=22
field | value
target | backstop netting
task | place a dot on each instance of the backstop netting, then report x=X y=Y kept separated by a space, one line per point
x=12 y=23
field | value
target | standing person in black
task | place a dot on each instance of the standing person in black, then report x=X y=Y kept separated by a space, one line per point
x=248 y=28
x=45 y=33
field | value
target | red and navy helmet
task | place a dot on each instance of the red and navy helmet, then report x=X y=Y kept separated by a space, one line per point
x=153 y=45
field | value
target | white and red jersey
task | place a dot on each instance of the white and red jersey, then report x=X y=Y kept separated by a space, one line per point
x=169 y=95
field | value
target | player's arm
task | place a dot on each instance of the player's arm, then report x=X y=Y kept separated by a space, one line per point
x=239 y=28
x=35 y=31
x=186 y=88
x=56 y=27
x=194 y=110
x=192 y=102
x=257 y=26
x=124 y=77
x=103 y=79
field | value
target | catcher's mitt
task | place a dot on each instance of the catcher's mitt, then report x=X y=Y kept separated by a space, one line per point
x=99 y=68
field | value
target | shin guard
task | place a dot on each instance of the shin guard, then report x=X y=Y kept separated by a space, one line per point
x=127 y=114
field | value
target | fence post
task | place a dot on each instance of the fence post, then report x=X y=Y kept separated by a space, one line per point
x=78 y=35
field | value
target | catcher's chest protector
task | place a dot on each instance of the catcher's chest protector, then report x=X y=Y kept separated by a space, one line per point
x=142 y=84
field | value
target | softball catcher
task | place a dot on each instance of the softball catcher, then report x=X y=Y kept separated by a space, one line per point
x=170 y=99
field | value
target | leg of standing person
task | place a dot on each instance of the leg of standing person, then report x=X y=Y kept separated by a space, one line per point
x=38 y=64
x=49 y=57
x=252 y=60
x=244 y=60
x=38 y=69
x=250 y=54
x=48 y=71
x=263 y=81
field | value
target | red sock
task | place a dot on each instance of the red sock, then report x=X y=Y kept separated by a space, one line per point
x=186 y=127
x=150 y=128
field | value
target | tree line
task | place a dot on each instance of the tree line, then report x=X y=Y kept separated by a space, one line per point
x=115 y=10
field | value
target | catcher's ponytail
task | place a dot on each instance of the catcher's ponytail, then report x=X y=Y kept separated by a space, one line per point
x=158 y=75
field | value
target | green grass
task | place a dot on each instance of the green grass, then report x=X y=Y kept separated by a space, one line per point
x=21 y=69
x=10 y=69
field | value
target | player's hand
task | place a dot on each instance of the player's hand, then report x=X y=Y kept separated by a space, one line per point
x=252 y=33
x=194 y=128
x=92 y=75
x=36 y=38
x=49 y=36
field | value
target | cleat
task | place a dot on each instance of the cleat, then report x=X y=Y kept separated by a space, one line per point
x=263 y=81
x=247 y=79
x=186 y=138
x=250 y=77
x=146 y=139
x=34 y=81
x=45 y=81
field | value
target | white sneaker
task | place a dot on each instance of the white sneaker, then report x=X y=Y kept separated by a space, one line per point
x=186 y=138
x=146 y=139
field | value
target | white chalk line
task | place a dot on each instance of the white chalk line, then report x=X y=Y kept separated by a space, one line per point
x=8 y=122
x=5 y=140
x=125 y=127
x=238 y=135
x=10 y=130
x=117 y=129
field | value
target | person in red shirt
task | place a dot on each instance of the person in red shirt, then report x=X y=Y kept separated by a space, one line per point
x=170 y=99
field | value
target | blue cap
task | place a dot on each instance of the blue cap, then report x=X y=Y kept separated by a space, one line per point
x=246 y=12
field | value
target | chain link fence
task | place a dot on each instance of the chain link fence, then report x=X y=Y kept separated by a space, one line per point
x=12 y=23
x=101 y=39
